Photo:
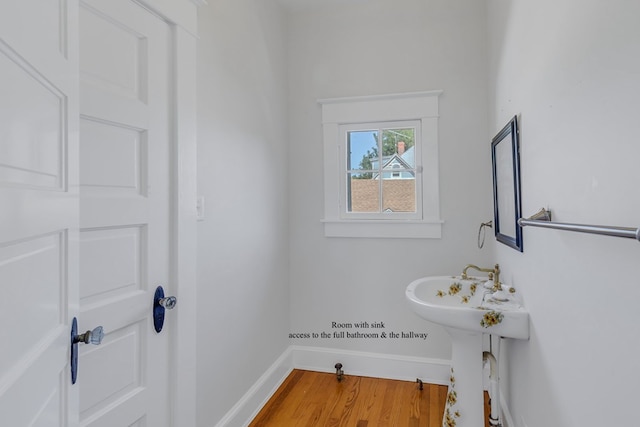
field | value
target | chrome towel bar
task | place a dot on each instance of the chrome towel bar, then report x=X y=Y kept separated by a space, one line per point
x=543 y=219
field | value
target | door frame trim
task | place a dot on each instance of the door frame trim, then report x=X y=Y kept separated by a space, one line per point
x=183 y=395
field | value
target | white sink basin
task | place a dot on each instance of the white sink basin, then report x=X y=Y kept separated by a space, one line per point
x=467 y=305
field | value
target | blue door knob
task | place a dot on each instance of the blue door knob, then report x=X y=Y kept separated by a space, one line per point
x=160 y=304
x=94 y=337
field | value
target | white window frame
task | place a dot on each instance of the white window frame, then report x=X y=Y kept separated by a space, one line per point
x=336 y=112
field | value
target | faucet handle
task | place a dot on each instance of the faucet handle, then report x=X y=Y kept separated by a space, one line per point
x=496 y=269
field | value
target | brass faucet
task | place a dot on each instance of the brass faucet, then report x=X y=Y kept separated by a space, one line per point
x=495 y=272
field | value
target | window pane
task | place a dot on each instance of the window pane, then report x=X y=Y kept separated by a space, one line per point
x=362 y=149
x=400 y=142
x=398 y=175
x=399 y=195
x=363 y=193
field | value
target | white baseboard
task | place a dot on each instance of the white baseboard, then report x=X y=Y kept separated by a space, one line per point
x=433 y=371
x=391 y=366
x=243 y=412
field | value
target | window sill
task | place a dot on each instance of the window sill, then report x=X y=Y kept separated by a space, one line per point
x=389 y=229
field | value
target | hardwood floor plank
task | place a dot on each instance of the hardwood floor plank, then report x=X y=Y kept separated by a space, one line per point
x=437 y=399
x=314 y=404
x=359 y=413
x=273 y=408
x=343 y=407
x=419 y=416
x=370 y=408
x=301 y=408
x=392 y=404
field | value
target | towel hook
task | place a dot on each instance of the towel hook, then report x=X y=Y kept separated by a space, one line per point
x=482 y=232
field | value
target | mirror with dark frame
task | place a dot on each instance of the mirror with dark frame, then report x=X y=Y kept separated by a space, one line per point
x=505 y=158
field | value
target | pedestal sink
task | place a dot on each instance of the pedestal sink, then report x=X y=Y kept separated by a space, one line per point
x=467 y=309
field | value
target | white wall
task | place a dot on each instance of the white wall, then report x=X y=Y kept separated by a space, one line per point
x=571 y=69
x=243 y=295
x=377 y=47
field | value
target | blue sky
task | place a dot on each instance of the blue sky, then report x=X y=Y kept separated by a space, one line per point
x=361 y=141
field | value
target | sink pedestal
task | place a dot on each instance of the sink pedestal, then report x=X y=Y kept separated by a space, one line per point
x=465 y=399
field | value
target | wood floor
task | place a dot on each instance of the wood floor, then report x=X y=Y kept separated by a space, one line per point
x=309 y=398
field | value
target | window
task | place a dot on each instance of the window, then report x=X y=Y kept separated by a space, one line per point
x=381 y=166
x=380 y=170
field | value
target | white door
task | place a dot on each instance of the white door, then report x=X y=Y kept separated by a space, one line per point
x=38 y=211
x=125 y=176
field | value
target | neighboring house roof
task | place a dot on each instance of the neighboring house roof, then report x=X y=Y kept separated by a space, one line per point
x=404 y=161
x=409 y=157
x=399 y=195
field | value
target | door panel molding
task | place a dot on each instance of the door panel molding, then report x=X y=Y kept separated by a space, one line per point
x=33 y=130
